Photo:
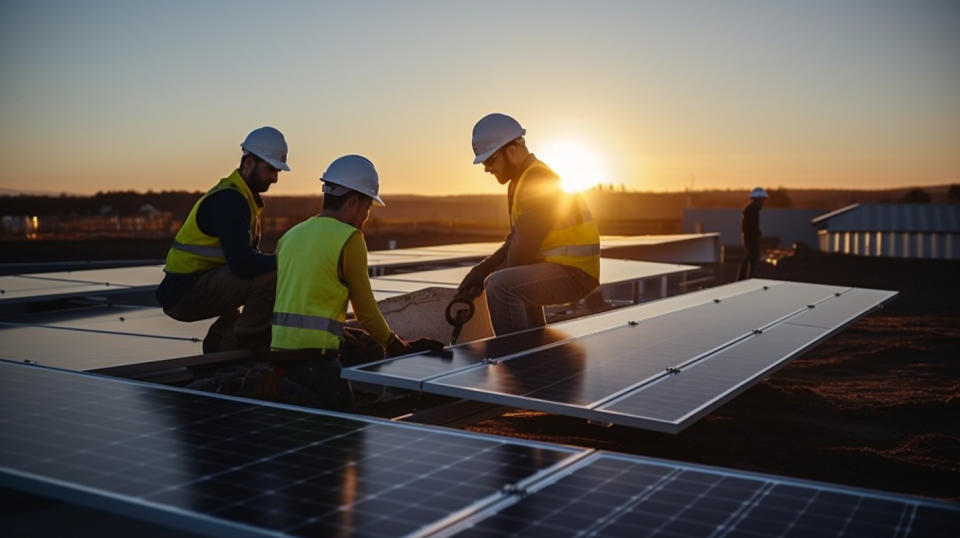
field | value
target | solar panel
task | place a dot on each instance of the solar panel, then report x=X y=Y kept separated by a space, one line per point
x=386 y=284
x=616 y=241
x=619 y=495
x=137 y=276
x=662 y=371
x=88 y=350
x=410 y=372
x=227 y=466
x=230 y=466
x=682 y=248
x=20 y=288
x=611 y=272
x=64 y=284
x=126 y=320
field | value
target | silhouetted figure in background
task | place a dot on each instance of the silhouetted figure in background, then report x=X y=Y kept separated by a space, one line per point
x=750 y=232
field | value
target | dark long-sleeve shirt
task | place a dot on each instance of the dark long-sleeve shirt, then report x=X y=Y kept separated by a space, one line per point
x=750 y=223
x=226 y=215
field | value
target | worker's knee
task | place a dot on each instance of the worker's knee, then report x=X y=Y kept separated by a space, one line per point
x=496 y=284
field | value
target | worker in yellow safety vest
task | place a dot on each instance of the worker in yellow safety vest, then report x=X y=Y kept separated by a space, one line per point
x=552 y=253
x=321 y=264
x=215 y=266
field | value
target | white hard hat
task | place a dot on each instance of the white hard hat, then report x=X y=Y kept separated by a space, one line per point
x=758 y=192
x=352 y=173
x=492 y=132
x=268 y=144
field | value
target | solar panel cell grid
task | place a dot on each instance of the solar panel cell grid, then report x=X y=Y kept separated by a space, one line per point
x=595 y=366
x=613 y=495
x=244 y=463
x=673 y=397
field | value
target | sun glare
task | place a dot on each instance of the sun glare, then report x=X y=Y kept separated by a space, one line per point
x=579 y=167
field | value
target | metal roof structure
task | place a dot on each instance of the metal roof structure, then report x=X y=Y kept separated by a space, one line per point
x=939 y=218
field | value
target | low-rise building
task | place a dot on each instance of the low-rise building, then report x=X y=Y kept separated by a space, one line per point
x=892 y=230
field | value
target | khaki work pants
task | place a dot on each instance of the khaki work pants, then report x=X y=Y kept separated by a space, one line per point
x=219 y=293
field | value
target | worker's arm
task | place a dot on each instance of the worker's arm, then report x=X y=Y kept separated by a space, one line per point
x=354 y=268
x=538 y=215
x=226 y=215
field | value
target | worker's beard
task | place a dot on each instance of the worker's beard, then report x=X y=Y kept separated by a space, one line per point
x=510 y=173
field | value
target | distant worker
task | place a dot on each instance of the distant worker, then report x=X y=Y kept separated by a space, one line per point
x=322 y=262
x=750 y=232
x=215 y=266
x=552 y=253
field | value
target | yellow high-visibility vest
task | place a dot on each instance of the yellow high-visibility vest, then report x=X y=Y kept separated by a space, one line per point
x=194 y=251
x=576 y=240
x=311 y=303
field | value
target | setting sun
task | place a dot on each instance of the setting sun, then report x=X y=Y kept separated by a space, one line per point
x=580 y=168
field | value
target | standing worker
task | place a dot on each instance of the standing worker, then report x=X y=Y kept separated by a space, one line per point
x=215 y=266
x=750 y=231
x=552 y=253
x=322 y=262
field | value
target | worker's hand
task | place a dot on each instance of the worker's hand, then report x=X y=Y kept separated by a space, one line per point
x=354 y=334
x=397 y=346
x=425 y=344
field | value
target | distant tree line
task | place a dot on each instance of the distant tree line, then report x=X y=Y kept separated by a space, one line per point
x=126 y=203
x=607 y=200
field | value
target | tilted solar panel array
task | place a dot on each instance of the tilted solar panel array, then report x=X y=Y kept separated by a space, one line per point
x=232 y=467
x=675 y=361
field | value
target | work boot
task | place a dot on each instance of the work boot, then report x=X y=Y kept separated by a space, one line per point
x=220 y=335
x=258 y=343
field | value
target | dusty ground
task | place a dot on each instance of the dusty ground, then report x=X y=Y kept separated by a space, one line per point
x=876 y=406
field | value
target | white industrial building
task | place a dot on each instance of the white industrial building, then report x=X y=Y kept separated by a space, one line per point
x=892 y=230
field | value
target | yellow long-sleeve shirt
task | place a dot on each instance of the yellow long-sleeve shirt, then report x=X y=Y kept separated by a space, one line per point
x=353 y=267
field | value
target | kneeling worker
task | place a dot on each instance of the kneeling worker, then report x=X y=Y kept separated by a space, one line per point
x=552 y=254
x=215 y=266
x=321 y=263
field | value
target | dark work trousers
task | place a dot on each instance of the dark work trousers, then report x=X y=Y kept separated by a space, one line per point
x=312 y=378
x=748 y=266
x=219 y=293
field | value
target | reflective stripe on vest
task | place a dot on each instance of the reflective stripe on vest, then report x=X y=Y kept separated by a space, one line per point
x=572 y=250
x=303 y=321
x=209 y=252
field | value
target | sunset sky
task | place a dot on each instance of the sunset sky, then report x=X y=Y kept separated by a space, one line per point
x=132 y=94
